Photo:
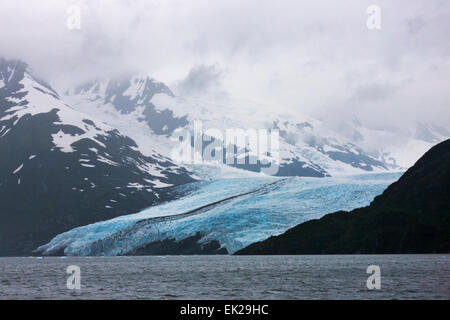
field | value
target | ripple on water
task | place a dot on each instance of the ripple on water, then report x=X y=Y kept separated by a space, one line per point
x=225 y=277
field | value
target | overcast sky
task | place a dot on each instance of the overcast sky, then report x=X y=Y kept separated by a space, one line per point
x=316 y=57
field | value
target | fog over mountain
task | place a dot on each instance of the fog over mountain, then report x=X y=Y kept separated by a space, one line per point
x=318 y=59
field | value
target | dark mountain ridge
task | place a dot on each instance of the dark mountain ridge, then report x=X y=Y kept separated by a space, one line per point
x=411 y=216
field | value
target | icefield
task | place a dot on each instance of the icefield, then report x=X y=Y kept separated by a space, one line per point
x=235 y=212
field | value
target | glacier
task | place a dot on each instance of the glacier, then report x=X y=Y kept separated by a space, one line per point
x=233 y=211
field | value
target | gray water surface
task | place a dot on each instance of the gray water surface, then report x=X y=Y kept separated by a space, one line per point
x=228 y=277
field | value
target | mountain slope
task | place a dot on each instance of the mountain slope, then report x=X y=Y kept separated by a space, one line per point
x=307 y=148
x=61 y=169
x=133 y=94
x=411 y=216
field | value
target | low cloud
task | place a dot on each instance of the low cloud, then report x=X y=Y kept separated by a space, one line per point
x=201 y=79
x=317 y=57
x=373 y=92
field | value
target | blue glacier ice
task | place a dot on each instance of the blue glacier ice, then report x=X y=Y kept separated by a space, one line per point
x=235 y=212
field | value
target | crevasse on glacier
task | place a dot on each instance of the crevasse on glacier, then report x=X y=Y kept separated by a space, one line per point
x=235 y=212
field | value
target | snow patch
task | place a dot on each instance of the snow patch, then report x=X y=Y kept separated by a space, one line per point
x=18 y=169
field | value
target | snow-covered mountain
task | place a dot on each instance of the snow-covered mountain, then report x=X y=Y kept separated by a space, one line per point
x=395 y=146
x=106 y=150
x=149 y=112
x=61 y=168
